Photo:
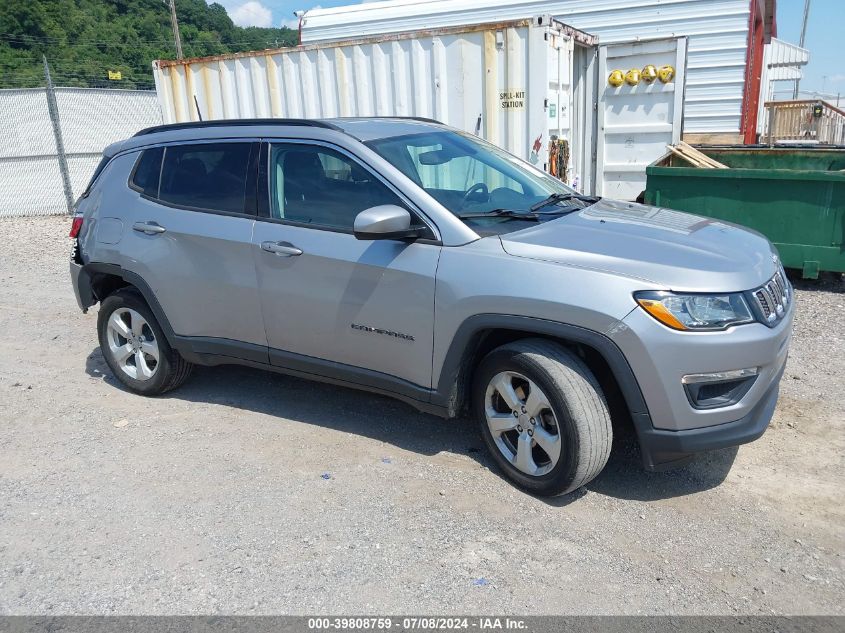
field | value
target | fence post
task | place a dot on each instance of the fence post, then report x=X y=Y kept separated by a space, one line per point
x=53 y=109
x=772 y=122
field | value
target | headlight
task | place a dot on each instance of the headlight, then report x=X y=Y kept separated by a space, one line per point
x=695 y=312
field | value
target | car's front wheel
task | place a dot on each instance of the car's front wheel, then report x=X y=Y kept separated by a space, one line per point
x=135 y=348
x=542 y=415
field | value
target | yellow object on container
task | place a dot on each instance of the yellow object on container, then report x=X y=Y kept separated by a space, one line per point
x=649 y=73
x=666 y=73
x=632 y=77
x=616 y=78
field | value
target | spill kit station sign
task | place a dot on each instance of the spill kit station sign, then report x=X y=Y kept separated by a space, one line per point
x=512 y=99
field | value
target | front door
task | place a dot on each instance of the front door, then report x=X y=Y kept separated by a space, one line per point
x=361 y=310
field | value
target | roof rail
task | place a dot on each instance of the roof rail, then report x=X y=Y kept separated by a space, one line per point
x=231 y=122
x=421 y=119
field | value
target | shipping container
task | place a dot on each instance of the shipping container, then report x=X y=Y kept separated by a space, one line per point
x=509 y=82
x=534 y=86
x=726 y=41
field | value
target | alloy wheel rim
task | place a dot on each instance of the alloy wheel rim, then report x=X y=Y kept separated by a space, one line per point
x=523 y=425
x=133 y=344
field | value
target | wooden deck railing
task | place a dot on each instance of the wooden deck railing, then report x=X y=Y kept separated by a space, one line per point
x=804 y=121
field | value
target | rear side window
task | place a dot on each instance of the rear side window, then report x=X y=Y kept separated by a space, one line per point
x=210 y=176
x=148 y=171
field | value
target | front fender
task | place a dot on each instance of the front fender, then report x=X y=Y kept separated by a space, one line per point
x=461 y=351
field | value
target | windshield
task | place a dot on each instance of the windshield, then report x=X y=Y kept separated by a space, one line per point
x=471 y=177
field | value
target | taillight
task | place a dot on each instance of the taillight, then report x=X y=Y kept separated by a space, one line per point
x=76 y=226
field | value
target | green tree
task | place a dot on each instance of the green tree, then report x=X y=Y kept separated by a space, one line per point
x=84 y=39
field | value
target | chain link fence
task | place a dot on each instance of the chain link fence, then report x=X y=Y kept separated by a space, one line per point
x=86 y=120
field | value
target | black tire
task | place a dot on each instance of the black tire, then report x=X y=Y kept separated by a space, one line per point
x=575 y=398
x=171 y=371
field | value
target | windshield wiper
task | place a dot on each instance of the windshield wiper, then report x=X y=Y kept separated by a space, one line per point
x=559 y=197
x=520 y=214
x=500 y=213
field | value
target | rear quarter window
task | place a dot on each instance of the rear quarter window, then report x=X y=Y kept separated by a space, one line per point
x=99 y=170
x=145 y=177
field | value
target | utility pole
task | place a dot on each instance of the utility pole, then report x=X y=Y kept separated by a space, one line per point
x=53 y=110
x=801 y=41
x=175 y=24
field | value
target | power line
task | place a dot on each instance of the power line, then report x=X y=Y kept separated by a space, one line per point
x=57 y=41
x=25 y=39
x=162 y=43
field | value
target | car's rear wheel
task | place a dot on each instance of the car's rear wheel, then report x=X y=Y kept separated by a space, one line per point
x=135 y=347
x=542 y=415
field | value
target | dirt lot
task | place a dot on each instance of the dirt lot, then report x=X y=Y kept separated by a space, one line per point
x=247 y=492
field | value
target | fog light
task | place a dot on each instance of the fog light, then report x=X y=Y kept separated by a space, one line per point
x=718 y=389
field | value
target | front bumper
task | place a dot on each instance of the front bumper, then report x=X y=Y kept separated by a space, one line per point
x=673 y=429
x=662 y=449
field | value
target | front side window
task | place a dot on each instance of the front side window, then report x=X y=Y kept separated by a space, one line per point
x=471 y=177
x=206 y=176
x=312 y=184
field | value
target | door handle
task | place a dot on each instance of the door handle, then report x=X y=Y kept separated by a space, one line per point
x=282 y=249
x=150 y=228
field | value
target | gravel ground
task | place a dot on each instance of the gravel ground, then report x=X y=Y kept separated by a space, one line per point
x=248 y=492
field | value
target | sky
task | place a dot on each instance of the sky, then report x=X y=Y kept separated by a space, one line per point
x=824 y=73
x=272 y=12
x=826 y=70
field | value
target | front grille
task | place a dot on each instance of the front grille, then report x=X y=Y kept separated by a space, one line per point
x=773 y=297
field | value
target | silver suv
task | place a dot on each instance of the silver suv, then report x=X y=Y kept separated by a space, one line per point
x=414 y=260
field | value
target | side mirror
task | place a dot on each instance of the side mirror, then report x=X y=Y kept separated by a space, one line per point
x=384 y=222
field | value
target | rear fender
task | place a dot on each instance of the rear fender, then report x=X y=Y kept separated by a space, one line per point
x=85 y=286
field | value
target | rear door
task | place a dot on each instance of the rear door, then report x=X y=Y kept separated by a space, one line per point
x=365 y=306
x=190 y=238
x=637 y=120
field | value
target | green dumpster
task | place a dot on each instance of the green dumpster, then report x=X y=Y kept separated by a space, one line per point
x=793 y=196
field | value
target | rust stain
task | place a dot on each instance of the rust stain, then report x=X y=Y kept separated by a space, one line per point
x=579 y=36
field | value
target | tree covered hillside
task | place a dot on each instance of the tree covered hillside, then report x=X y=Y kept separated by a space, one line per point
x=85 y=39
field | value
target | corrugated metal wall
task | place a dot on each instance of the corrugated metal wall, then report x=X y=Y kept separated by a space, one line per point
x=90 y=119
x=717 y=31
x=511 y=83
x=782 y=61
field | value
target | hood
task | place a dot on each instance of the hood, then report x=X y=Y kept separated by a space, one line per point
x=675 y=250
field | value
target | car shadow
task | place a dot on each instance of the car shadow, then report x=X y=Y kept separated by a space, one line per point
x=347 y=410
x=625 y=478
x=827 y=282
x=393 y=422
